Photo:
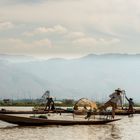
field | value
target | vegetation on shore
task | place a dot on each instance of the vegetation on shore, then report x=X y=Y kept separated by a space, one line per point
x=37 y=102
x=28 y=102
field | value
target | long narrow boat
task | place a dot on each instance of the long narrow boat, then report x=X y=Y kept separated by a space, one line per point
x=32 y=112
x=25 y=121
x=124 y=112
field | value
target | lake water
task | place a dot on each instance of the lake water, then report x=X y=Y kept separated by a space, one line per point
x=128 y=128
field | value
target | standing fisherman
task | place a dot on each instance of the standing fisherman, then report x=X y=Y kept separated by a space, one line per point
x=49 y=101
x=115 y=98
x=131 y=105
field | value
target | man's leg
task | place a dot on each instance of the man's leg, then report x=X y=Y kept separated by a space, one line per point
x=114 y=106
x=107 y=104
x=113 y=112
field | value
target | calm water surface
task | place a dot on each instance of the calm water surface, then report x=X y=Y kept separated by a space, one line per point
x=126 y=129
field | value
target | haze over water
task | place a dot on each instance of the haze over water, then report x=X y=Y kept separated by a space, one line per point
x=92 y=76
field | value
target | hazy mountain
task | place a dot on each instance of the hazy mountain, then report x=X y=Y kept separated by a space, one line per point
x=16 y=58
x=92 y=76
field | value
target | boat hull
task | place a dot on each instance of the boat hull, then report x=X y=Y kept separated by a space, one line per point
x=33 y=112
x=25 y=121
x=63 y=111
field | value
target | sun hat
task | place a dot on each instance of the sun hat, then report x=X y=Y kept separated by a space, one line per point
x=118 y=89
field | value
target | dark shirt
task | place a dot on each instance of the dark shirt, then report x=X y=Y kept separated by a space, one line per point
x=131 y=103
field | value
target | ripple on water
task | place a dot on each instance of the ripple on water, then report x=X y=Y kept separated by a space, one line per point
x=125 y=129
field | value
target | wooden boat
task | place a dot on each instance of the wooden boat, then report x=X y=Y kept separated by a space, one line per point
x=63 y=111
x=25 y=121
x=118 y=112
x=4 y=111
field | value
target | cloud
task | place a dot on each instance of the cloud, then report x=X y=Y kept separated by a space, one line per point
x=109 y=40
x=15 y=45
x=41 y=30
x=108 y=17
x=6 y=25
x=92 y=42
x=17 y=2
x=88 y=41
x=104 y=16
x=73 y=35
x=73 y=24
x=67 y=41
x=15 y=41
x=82 y=39
x=43 y=42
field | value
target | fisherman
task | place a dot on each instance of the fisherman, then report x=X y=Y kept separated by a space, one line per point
x=115 y=98
x=89 y=113
x=49 y=101
x=50 y=104
x=131 y=105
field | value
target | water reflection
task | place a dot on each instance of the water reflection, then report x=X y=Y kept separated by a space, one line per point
x=125 y=129
x=115 y=132
x=98 y=132
x=101 y=132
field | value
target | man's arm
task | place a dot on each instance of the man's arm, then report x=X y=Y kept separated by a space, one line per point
x=121 y=101
x=126 y=98
x=112 y=95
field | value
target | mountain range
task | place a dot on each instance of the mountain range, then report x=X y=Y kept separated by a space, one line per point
x=92 y=76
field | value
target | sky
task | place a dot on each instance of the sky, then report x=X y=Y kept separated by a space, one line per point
x=69 y=28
